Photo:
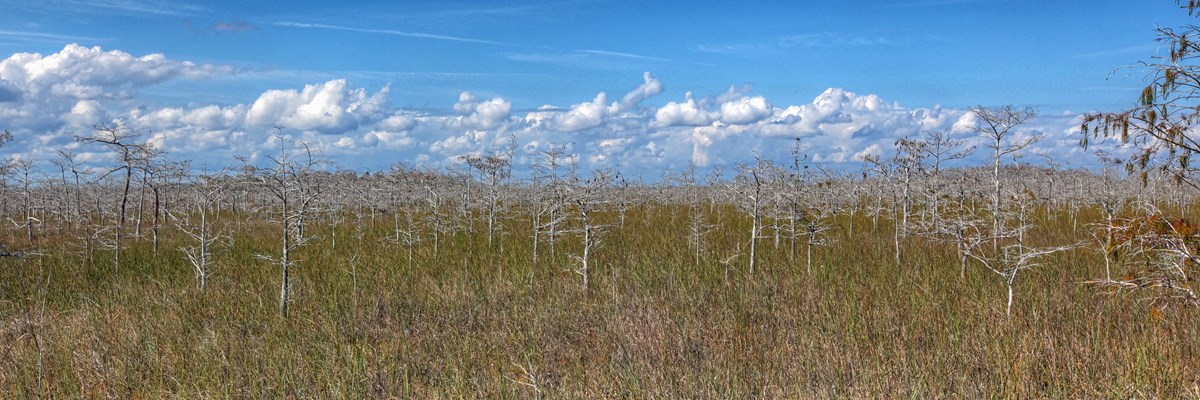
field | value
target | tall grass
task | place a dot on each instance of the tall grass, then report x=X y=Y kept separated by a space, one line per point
x=479 y=322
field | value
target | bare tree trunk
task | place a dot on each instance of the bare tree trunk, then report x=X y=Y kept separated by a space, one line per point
x=536 y=224
x=553 y=230
x=897 y=243
x=204 y=243
x=587 y=246
x=1010 y=281
x=808 y=249
x=491 y=211
x=121 y=220
x=396 y=218
x=28 y=212
x=753 y=235
x=154 y=228
x=285 y=261
x=996 y=197
x=137 y=226
x=792 y=228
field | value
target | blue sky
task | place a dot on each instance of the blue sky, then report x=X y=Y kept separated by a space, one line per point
x=375 y=83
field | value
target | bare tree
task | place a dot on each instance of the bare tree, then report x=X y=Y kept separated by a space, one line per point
x=155 y=173
x=698 y=227
x=750 y=189
x=1006 y=261
x=939 y=148
x=291 y=181
x=433 y=200
x=909 y=166
x=962 y=225
x=6 y=168
x=549 y=199
x=129 y=155
x=1012 y=260
x=199 y=221
x=998 y=128
x=889 y=178
x=66 y=162
x=493 y=170
x=589 y=195
x=24 y=169
x=815 y=226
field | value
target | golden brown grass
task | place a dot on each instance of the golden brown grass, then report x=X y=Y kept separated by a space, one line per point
x=479 y=323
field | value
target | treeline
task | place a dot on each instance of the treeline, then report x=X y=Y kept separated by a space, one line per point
x=986 y=214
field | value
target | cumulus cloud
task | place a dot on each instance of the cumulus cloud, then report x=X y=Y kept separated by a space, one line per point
x=90 y=72
x=622 y=114
x=687 y=113
x=966 y=123
x=477 y=115
x=874 y=150
x=84 y=114
x=745 y=110
x=329 y=108
x=398 y=123
x=583 y=116
x=46 y=99
x=649 y=88
x=214 y=117
x=9 y=91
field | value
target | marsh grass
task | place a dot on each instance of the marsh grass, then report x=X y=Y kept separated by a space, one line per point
x=478 y=322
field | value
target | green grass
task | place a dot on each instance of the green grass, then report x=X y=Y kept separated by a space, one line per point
x=474 y=322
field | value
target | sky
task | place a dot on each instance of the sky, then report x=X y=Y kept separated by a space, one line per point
x=642 y=87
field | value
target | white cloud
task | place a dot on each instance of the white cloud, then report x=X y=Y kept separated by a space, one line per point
x=44 y=100
x=649 y=88
x=327 y=108
x=485 y=115
x=745 y=110
x=398 y=123
x=89 y=72
x=619 y=115
x=687 y=113
x=966 y=123
x=214 y=117
x=583 y=116
x=874 y=150
x=9 y=91
x=85 y=114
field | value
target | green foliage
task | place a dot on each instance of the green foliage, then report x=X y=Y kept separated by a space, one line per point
x=1161 y=124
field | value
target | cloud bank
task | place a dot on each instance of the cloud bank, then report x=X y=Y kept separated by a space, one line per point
x=45 y=100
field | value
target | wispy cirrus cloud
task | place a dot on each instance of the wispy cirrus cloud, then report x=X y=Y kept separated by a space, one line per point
x=415 y=35
x=50 y=37
x=590 y=59
x=1137 y=49
x=127 y=7
x=458 y=12
x=819 y=40
x=928 y=3
x=830 y=39
x=624 y=55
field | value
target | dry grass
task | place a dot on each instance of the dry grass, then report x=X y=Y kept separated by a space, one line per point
x=481 y=323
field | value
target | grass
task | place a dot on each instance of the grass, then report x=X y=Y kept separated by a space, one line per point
x=473 y=322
